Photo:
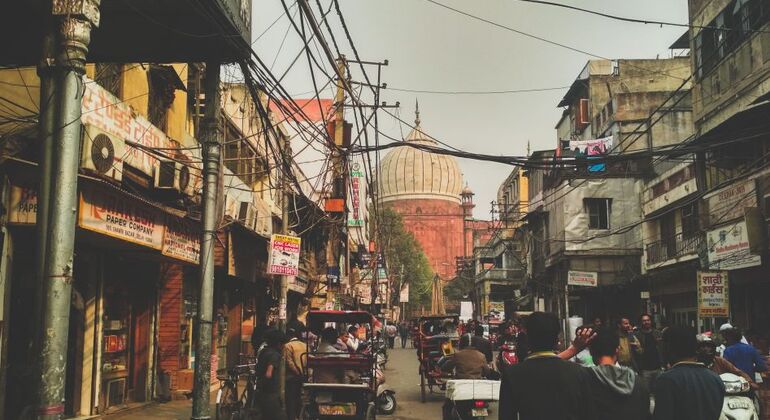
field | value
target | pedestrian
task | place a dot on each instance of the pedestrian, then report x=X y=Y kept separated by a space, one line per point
x=543 y=386
x=618 y=392
x=689 y=390
x=482 y=344
x=598 y=323
x=390 y=333
x=707 y=354
x=295 y=357
x=403 y=332
x=629 y=344
x=649 y=360
x=742 y=355
x=258 y=337
x=268 y=381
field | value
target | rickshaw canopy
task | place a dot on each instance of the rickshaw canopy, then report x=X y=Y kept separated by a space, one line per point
x=317 y=318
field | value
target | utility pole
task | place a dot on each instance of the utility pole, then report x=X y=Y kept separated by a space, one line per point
x=283 y=299
x=210 y=140
x=73 y=21
x=338 y=174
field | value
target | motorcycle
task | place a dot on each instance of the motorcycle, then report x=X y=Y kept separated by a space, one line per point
x=507 y=355
x=386 y=397
x=470 y=398
x=738 y=404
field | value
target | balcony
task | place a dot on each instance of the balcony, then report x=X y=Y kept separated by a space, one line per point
x=672 y=248
x=500 y=274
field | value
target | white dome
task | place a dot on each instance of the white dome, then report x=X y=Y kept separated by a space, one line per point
x=408 y=173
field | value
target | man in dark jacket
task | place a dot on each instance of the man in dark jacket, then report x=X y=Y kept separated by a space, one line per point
x=480 y=343
x=617 y=390
x=649 y=360
x=689 y=390
x=545 y=387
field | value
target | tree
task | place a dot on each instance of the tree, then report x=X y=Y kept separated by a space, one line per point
x=403 y=252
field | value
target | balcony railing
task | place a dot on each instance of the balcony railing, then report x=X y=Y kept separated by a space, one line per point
x=674 y=247
x=500 y=274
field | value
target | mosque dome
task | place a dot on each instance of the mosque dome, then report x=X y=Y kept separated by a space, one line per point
x=409 y=173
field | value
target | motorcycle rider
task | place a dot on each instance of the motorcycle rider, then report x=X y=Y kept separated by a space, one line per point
x=480 y=343
x=467 y=363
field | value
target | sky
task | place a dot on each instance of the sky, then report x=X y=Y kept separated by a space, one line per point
x=431 y=48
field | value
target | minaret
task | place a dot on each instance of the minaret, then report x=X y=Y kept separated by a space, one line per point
x=416 y=114
x=467 y=204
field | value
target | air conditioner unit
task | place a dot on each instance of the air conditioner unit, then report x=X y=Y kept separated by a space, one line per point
x=102 y=153
x=247 y=214
x=166 y=175
x=186 y=184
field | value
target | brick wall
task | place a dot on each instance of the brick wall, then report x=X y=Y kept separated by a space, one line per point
x=170 y=318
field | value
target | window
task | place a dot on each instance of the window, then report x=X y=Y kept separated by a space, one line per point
x=599 y=211
x=690 y=220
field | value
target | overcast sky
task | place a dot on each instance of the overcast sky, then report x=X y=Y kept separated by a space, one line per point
x=432 y=48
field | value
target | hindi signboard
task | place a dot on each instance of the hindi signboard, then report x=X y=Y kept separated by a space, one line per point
x=111 y=214
x=284 y=255
x=582 y=278
x=181 y=240
x=357 y=184
x=23 y=206
x=713 y=294
x=729 y=249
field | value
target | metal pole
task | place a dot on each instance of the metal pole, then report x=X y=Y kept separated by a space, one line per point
x=566 y=314
x=75 y=23
x=284 y=298
x=211 y=160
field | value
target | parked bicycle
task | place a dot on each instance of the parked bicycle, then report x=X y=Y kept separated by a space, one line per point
x=230 y=404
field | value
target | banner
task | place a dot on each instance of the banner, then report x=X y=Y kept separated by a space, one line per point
x=713 y=294
x=403 y=296
x=729 y=249
x=582 y=278
x=23 y=206
x=114 y=215
x=181 y=240
x=284 y=255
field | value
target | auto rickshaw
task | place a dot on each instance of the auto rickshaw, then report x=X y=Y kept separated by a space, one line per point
x=353 y=397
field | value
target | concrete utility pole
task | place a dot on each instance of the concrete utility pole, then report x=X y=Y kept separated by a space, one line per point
x=73 y=21
x=212 y=150
x=284 y=298
x=337 y=158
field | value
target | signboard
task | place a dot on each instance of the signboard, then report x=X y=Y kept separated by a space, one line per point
x=364 y=292
x=23 y=206
x=728 y=248
x=332 y=277
x=496 y=311
x=582 y=278
x=713 y=294
x=181 y=240
x=114 y=215
x=727 y=204
x=357 y=182
x=284 y=255
x=403 y=295
x=466 y=310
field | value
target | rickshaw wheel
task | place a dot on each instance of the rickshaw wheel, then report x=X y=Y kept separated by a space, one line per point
x=370 y=412
x=422 y=386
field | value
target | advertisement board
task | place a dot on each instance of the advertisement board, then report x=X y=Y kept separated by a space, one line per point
x=284 y=255
x=23 y=206
x=728 y=248
x=713 y=294
x=113 y=215
x=582 y=278
x=357 y=199
x=728 y=203
x=181 y=240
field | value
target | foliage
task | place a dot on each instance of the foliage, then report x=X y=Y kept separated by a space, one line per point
x=403 y=252
x=461 y=286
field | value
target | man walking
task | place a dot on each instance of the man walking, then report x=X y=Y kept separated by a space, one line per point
x=649 y=360
x=403 y=333
x=689 y=390
x=268 y=364
x=544 y=386
x=390 y=333
x=295 y=357
x=617 y=391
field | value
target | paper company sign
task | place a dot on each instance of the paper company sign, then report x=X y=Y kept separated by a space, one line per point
x=284 y=255
x=23 y=205
x=114 y=215
x=181 y=240
x=728 y=248
x=582 y=278
x=713 y=294
x=727 y=204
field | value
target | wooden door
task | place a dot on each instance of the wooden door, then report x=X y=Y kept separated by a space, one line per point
x=140 y=363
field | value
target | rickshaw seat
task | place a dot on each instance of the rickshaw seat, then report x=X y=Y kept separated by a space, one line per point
x=349 y=361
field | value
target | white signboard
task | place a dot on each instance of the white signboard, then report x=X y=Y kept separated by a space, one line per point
x=284 y=255
x=113 y=215
x=466 y=310
x=181 y=240
x=728 y=203
x=728 y=248
x=582 y=278
x=713 y=294
x=23 y=206
x=403 y=296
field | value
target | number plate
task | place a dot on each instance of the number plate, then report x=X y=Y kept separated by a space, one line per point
x=479 y=412
x=739 y=404
x=342 y=409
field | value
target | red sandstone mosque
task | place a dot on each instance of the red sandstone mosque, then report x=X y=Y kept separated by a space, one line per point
x=426 y=189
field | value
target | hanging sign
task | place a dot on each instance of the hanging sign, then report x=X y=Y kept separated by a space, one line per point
x=728 y=203
x=181 y=240
x=729 y=249
x=403 y=296
x=713 y=294
x=357 y=182
x=23 y=206
x=114 y=215
x=284 y=255
x=582 y=278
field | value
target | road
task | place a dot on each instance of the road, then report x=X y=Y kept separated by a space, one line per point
x=402 y=375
